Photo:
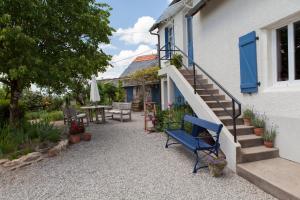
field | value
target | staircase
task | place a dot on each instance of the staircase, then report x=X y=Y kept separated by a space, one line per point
x=252 y=148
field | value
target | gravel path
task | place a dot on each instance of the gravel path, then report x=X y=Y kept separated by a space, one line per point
x=122 y=162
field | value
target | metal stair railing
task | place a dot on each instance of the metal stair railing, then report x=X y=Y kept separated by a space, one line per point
x=168 y=55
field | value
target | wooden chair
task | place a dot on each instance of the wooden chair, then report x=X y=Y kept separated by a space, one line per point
x=71 y=114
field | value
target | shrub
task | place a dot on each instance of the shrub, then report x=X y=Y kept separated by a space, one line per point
x=270 y=135
x=43 y=115
x=176 y=60
x=259 y=121
x=19 y=141
x=248 y=113
x=4 y=112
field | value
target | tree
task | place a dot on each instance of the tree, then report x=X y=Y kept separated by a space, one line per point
x=50 y=43
x=120 y=92
x=145 y=75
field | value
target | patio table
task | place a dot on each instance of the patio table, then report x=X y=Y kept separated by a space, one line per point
x=98 y=109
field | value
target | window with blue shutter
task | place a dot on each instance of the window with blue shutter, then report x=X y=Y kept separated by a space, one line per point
x=248 y=63
x=190 y=40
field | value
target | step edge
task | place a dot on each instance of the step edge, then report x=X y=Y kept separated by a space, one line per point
x=262 y=184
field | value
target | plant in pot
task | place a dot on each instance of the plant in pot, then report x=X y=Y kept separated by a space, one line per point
x=248 y=115
x=75 y=130
x=176 y=60
x=269 y=137
x=259 y=124
x=216 y=165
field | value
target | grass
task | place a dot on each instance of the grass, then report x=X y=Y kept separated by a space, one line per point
x=44 y=115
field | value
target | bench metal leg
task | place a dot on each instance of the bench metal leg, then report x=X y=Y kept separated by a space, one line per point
x=197 y=161
x=168 y=137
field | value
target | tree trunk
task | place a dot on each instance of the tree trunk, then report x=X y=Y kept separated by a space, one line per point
x=14 y=109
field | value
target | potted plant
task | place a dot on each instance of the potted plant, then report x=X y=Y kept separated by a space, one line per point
x=216 y=165
x=75 y=130
x=86 y=136
x=259 y=124
x=176 y=60
x=269 y=137
x=248 y=115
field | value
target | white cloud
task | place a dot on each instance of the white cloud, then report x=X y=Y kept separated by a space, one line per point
x=107 y=46
x=121 y=61
x=139 y=33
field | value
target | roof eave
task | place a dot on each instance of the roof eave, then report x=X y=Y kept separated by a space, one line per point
x=196 y=8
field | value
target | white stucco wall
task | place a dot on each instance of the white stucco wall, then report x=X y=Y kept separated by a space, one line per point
x=217 y=28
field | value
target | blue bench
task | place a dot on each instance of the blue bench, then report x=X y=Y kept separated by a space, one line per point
x=193 y=141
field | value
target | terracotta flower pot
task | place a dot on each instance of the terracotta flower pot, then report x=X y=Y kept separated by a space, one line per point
x=258 y=131
x=86 y=136
x=74 y=139
x=268 y=144
x=247 y=121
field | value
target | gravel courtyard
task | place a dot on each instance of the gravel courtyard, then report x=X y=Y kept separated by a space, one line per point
x=123 y=162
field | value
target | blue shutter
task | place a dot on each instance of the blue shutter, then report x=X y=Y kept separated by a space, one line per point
x=248 y=63
x=167 y=42
x=190 y=40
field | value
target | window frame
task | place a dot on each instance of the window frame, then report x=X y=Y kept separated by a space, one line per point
x=291 y=54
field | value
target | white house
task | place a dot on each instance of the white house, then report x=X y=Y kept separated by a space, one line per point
x=252 y=49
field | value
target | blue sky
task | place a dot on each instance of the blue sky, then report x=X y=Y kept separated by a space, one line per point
x=131 y=19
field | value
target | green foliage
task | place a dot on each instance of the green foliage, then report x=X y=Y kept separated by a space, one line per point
x=109 y=93
x=120 y=93
x=145 y=75
x=176 y=60
x=248 y=113
x=44 y=115
x=4 y=111
x=19 y=141
x=259 y=121
x=164 y=118
x=270 y=134
x=50 y=43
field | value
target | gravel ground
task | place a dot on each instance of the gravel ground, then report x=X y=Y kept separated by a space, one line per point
x=123 y=162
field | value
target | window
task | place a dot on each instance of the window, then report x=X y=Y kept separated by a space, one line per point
x=287 y=44
x=282 y=54
x=297 y=49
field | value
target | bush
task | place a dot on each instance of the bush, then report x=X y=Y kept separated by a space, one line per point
x=174 y=114
x=176 y=60
x=4 y=111
x=43 y=115
x=15 y=142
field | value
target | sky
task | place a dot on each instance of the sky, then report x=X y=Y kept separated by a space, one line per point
x=132 y=20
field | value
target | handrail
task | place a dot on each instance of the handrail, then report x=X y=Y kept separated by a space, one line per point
x=234 y=101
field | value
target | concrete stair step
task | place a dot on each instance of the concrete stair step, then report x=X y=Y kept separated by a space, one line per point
x=251 y=154
x=215 y=104
x=278 y=177
x=205 y=86
x=207 y=97
x=198 y=82
x=227 y=120
x=241 y=130
x=250 y=140
x=207 y=91
x=221 y=111
x=191 y=76
x=186 y=72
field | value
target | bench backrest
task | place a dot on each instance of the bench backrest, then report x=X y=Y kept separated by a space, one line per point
x=121 y=105
x=202 y=124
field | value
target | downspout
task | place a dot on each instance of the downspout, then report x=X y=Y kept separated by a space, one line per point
x=158 y=47
x=159 y=61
